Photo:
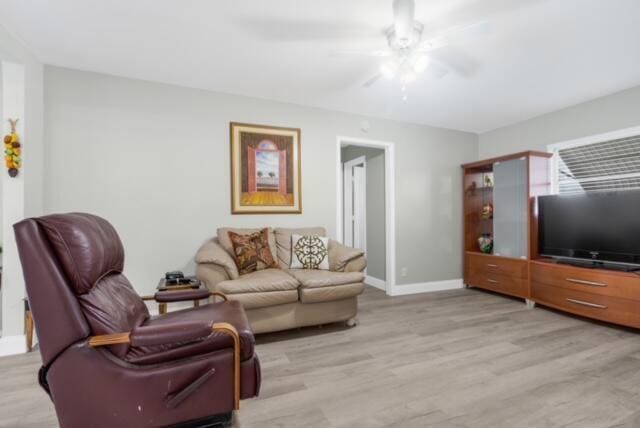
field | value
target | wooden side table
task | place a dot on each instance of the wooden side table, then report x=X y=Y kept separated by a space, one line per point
x=196 y=284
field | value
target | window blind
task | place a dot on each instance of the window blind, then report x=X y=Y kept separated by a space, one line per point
x=604 y=166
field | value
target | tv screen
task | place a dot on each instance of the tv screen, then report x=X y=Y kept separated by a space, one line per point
x=596 y=226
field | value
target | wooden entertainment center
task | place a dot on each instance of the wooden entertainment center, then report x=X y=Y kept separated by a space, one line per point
x=500 y=204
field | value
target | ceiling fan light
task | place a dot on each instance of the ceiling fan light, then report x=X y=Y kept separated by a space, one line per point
x=389 y=69
x=420 y=63
x=407 y=77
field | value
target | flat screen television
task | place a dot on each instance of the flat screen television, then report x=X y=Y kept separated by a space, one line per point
x=599 y=228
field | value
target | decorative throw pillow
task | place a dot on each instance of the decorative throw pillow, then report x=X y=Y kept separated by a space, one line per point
x=309 y=252
x=252 y=252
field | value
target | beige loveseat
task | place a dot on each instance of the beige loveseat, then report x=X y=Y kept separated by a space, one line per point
x=280 y=299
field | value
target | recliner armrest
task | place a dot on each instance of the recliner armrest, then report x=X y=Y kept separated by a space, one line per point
x=170 y=333
x=191 y=332
x=149 y=336
x=181 y=295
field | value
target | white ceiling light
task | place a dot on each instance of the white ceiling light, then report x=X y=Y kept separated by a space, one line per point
x=420 y=62
x=389 y=69
x=407 y=76
x=404 y=66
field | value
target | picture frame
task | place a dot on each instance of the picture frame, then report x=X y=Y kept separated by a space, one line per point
x=265 y=169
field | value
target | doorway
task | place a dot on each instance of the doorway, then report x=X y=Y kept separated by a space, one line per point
x=365 y=203
x=354 y=218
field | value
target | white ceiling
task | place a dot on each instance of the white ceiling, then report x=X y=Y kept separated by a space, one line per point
x=541 y=55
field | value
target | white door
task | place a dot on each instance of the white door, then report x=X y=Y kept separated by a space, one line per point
x=355 y=190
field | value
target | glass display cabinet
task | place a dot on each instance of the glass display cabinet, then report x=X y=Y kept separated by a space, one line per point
x=499 y=220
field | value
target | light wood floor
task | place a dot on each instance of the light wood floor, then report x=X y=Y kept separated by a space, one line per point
x=462 y=358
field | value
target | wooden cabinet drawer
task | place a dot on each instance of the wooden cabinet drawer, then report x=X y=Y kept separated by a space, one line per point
x=500 y=283
x=495 y=265
x=603 y=283
x=605 y=308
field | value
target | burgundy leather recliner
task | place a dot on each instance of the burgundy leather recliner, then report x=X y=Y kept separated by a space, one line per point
x=106 y=361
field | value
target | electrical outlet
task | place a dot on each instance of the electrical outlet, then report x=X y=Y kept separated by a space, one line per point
x=403 y=272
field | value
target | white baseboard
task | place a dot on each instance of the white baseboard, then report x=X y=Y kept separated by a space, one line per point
x=375 y=282
x=426 y=287
x=12 y=345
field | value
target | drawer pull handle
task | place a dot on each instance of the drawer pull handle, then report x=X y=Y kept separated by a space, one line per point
x=493 y=281
x=492 y=265
x=583 y=303
x=583 y=282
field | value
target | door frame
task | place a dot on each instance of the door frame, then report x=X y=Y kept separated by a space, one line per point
x=361 y=160
x=389 y=200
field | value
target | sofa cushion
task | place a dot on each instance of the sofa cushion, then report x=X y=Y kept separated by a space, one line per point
x=225 y=241
x=283 y=241
x=252 y=252
x=258 y=282
x=261 y=300
x=328 y=294
x=309 y=278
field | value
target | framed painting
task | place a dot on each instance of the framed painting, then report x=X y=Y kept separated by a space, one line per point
x=265 y=170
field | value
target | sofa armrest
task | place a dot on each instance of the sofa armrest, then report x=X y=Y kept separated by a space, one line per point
x=211 y=275
x=356 y=265
x=342 y=257
x=212 y=252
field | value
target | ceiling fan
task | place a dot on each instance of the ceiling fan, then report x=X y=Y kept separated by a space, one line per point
x=408 y=55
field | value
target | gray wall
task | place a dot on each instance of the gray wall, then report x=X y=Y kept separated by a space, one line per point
x=154 y=160
x=376 y=250
x=3 y=132
x=613 y=112
x=23 y=194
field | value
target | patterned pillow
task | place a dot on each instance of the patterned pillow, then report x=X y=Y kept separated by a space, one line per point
x=309 y=252
x=252 y=252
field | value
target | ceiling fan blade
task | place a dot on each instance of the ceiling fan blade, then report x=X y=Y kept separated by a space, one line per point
x=456 y=60
x=436 y=69
x=454 y=35
x=285 y=30
x=432 y=44
x=403 y=17
x=372 y=80
x=458 y=11
x=461 y=32
x=374 y=54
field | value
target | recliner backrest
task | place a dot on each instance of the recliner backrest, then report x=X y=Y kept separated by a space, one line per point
x=81 y=267
x=87 y=246
x=57 y=314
